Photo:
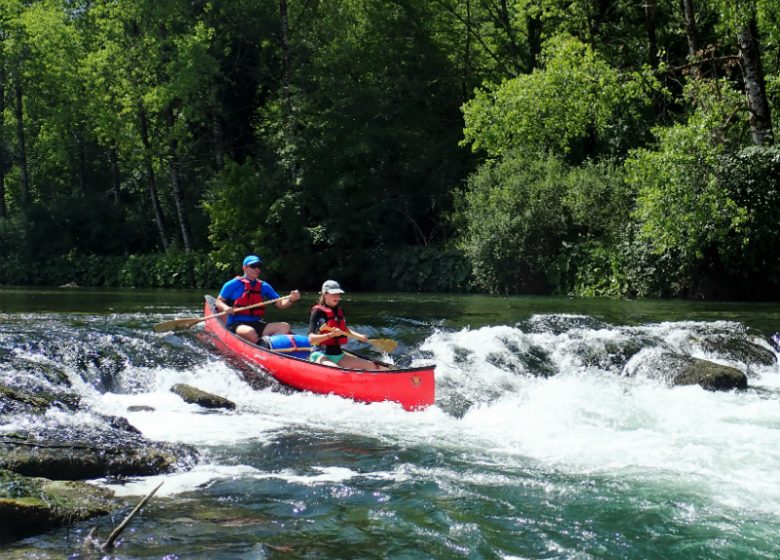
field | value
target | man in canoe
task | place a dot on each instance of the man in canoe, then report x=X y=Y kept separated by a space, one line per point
x=247 y=290
x=328 y=331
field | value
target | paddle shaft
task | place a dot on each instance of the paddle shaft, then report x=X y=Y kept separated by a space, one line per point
x=180 y=324
x=347 y=333
x=237 y=309
x=384 y=344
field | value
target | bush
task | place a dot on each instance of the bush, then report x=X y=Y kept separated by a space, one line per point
x=749 y=252
x=426 y=269
x=516 y=222
x=173 y=270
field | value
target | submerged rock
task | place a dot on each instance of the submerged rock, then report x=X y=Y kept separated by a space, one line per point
x=30 y=505
x=193 y=395
x=140 y=408
x=14 y=400
x=739 y=350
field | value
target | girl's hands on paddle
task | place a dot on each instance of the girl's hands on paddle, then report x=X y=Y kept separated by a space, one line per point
x=358 y=336
x=333 y=332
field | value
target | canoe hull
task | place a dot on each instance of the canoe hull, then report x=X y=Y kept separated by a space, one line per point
x=413 y=388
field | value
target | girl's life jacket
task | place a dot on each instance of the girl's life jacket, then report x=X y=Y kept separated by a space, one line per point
x=335 y=320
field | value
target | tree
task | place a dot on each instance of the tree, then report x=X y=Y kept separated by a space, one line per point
x=741 y=19
x=3 y=207
x=526 y=113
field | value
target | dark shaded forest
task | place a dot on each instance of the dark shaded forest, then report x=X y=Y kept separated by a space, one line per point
x=586 y=147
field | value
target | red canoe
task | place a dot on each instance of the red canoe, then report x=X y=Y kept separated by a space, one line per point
x=413 y=388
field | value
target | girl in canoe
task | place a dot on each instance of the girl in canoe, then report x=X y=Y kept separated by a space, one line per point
x=328 y=331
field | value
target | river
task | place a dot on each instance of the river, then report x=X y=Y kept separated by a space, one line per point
x=554 y=434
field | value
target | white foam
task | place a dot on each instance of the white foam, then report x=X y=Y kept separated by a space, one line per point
x=585 y=420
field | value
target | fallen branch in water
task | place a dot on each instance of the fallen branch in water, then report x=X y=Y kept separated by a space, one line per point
x=92 y=541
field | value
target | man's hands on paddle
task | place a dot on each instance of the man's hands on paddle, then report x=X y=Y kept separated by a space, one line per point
x=294 y=296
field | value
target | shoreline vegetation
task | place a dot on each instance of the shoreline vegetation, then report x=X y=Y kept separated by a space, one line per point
x=541 y=148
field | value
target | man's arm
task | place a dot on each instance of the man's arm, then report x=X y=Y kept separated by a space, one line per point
x=294 y=296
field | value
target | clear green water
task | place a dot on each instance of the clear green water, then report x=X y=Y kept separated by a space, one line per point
x=552 y=436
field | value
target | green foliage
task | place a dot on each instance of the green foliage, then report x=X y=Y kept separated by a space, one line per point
x=171 y=270
x=237 y=203
x=749 y=250
x=338 y=152
x=599 y=199
x=619 y=267
x=527 y=112
x=516 y=222
x=681 y=206
x=427 y=269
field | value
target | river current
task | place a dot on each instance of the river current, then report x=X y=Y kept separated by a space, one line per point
x=555 y=432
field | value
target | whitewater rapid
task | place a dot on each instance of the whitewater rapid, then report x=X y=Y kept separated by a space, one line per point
x=586 y=417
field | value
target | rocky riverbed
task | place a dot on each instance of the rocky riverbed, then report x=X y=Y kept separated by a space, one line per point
x=43 y=464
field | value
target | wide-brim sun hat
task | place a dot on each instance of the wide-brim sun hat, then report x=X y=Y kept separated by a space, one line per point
x=252 y=259
x=331 y=287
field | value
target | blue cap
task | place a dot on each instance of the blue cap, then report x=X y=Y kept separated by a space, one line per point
x=252 y=259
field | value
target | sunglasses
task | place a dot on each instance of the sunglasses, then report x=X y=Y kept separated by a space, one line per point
x=256 y=265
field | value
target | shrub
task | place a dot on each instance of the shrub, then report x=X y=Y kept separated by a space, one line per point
x=516 y=222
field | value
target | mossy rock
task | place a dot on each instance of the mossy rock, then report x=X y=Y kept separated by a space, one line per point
x=96 y=454
x=33 y=505
x=14 y=400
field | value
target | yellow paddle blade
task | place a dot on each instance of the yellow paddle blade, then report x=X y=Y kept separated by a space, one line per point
x=176 y=324
x=384 y=344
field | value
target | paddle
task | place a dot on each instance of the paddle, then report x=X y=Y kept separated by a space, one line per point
x=181 y=324
x=386 y=345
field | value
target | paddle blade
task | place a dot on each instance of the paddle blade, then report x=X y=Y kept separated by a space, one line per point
x=176 y=325
x=385 y=345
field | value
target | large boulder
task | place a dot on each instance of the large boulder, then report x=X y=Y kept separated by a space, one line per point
x=682 y=369
x=30 y=505
x=710 y=376
x=68 y=454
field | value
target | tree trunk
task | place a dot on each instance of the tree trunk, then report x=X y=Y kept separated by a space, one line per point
x=79 y=139
x=659 y=106
x=689 y=17
x=150 y=179
x=289 y=137
x=504 y=20
x=750 y=52
x=534 y=27
x=285 y=29
x=178 y=191
x=20 y=138
x=218 y=139
x=465 y=79
x=3 y=209
x=652 y=41
x=116 y=181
